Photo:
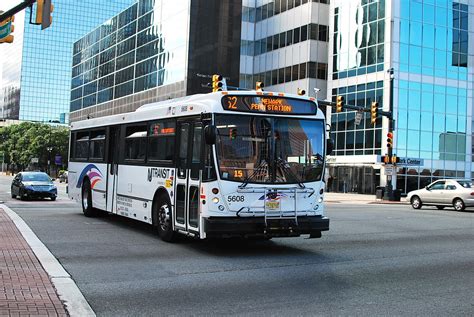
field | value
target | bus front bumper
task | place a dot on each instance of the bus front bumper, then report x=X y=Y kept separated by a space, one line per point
x=221 y=227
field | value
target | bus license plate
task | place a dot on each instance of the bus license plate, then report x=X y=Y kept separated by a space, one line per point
x=272 y=205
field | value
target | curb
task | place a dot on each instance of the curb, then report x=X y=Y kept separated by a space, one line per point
x=69 y=293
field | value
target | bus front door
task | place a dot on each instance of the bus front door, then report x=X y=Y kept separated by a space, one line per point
x=112 y=167
x=187 y=197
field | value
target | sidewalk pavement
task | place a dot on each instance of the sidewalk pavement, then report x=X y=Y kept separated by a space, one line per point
x=358 y=199
x=25 y=287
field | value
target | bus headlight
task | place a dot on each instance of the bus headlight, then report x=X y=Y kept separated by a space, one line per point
x=215 y=200
x=221 y=208
x=320 y=200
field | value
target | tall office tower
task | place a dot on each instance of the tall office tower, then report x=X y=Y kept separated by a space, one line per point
x=285 y=45
x=35 y=77
x=152 y=51
x=425 y=42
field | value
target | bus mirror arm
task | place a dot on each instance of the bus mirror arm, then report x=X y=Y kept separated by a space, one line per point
x=329 y=146
x=210 y=134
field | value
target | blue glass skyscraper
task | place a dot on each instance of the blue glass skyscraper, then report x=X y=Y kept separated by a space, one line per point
x=426 y=43
x=36 y=75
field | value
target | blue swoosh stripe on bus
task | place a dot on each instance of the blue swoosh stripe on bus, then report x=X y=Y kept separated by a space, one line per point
x=84 y=172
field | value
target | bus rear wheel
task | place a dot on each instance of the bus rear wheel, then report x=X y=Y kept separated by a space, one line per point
x=162 y=218
x=86 y=200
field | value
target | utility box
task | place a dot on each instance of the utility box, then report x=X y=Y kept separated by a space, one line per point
x=379 y=192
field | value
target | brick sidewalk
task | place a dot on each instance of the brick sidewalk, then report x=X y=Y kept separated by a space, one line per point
x=25 y=287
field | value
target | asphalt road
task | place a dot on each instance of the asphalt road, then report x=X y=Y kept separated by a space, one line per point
x=375 y=260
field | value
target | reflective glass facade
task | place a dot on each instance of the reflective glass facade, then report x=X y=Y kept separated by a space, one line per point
x=141 y=48
x=152 y=51
x=46 y=56
x=284 y=44
x=426 y=42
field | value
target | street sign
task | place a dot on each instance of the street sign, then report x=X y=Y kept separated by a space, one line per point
x=358 y=117
x=34 y=160
x=58 y=160
x=390 y=170
x=5 y=28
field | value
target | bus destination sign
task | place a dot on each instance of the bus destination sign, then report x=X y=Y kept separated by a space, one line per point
x=269 y=104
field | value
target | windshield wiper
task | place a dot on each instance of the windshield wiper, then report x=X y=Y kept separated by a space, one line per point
x=286 y=168
x=260 y=167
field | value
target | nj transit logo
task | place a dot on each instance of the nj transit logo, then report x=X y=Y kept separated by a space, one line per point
x=92 y=172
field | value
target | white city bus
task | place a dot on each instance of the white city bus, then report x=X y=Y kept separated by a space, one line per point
x=224 y=164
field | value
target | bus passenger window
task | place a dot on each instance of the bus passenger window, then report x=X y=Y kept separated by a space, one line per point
x=97 y=145
x=161 y=140
x=135 y=143
x=81 y=150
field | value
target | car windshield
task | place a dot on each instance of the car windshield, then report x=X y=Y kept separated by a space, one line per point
x=259 y=149
x=35 y=177
x=465 y=184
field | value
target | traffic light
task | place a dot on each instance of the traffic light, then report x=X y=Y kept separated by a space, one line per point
x=395 y=159
x=7 y=27
x=259 y=86
x=232 y=133
x=44 y=8
x=218 y=83
x=390 y=140
x=373 y=112
x=386 y=159
x=339 y=103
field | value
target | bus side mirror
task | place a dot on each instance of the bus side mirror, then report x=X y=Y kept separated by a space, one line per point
x=210 y=134
x=329 y=146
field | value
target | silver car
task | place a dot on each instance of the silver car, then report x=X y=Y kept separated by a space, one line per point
x=443 y=193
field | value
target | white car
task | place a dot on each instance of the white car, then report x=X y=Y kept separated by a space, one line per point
x=443 y=193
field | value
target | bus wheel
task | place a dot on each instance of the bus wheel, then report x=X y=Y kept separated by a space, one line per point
x=87 y=208
x=162 y=218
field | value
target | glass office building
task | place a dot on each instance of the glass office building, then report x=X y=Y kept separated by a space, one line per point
x=426 y=42
x=285 y=44
x=41 y=68
x=154 y=50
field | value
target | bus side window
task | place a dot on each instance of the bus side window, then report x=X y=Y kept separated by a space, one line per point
x=97 y=145
x=81 y=148
x=135 y=143
x=161 y=140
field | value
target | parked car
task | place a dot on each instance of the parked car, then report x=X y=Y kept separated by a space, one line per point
x=443 y=193
x=63 y=177
x=33 y=185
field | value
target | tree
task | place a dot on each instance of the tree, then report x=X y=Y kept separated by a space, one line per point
x=22 y=142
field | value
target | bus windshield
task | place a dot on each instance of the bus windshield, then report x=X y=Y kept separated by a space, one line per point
x=259 y=149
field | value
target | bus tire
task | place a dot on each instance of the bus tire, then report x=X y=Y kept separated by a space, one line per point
x=162 y=218
x=86 y=200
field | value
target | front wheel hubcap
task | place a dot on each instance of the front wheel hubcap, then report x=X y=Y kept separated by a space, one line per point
x=164 y=217
x=458 y=205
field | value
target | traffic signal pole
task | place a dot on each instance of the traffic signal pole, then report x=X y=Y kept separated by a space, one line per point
x=388 y=194
x=8 y=14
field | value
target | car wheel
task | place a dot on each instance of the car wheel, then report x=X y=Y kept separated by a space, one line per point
x=22 y=195
x=13 y=195
x=53 y=198
x=440 y=207
x=162 y=218
x=458 y=204
x=416 y=202
x=87 y=208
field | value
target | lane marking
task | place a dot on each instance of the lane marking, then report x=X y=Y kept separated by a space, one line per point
x=75 y=303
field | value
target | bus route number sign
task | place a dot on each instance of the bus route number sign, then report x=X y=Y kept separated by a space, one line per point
x=269 y=104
